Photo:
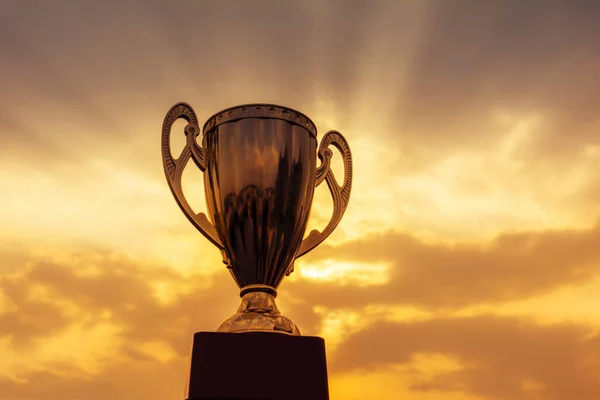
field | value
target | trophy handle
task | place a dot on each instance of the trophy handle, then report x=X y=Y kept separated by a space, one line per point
x=174 y=167
x=340 y=194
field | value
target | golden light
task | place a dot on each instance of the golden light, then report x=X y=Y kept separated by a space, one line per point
x=346 y=273
x=84 y=190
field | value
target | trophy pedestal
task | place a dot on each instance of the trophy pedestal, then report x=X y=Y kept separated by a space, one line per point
x=257 y=366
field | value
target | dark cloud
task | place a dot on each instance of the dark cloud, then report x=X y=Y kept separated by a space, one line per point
x=104 y=69
x=88 y=76
x=499 y=356
x=73 y=54
x=533 y=57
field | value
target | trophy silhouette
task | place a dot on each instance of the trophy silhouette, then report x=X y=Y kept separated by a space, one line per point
x=260 y=174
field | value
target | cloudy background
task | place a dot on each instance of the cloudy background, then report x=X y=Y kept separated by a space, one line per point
x=467 y=266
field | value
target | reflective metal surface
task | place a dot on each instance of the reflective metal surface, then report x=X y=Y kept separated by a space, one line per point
x=258 y=312
x=259 y=182
x=260 y=172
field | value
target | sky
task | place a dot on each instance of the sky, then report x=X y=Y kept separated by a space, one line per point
x=466 y=267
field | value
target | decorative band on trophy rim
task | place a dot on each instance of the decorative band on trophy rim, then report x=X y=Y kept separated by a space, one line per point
x=260 y=111
x=258 y=288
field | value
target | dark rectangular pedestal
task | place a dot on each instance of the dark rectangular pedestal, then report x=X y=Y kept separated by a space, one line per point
x=257 y=366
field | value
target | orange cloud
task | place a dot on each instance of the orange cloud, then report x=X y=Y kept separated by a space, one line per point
x=465 y=268
x=498 y=358
x=514 y=266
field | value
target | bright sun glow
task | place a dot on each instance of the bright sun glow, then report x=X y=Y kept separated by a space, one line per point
x=346 y=273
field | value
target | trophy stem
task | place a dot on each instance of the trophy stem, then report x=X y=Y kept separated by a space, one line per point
x=258 y=312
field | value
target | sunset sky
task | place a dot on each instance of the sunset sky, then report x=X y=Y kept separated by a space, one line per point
x=467 y=266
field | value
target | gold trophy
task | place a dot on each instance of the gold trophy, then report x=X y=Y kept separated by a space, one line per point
x=260 y=174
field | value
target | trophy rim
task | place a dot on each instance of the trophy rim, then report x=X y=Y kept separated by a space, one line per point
x=260 y=110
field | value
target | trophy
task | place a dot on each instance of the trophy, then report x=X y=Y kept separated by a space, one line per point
x=260 y=174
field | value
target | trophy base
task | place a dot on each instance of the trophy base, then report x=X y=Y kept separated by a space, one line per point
x=259 y=313
x=257 y=366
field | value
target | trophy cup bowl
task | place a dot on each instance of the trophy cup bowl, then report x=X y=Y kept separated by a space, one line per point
x=260 y=174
